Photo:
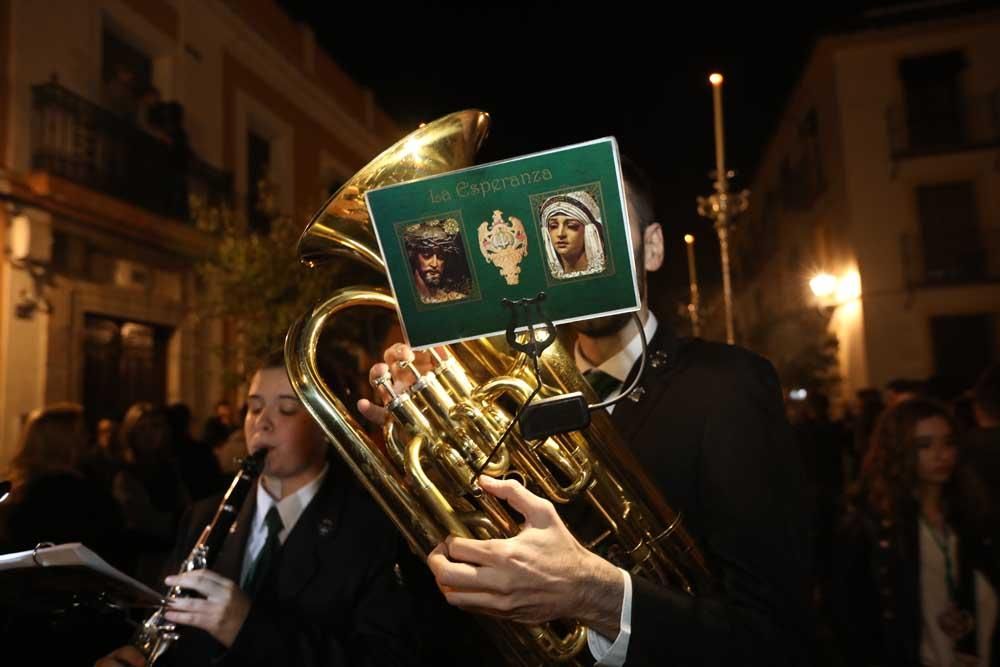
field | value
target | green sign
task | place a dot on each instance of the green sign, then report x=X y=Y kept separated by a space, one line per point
x=458 y=244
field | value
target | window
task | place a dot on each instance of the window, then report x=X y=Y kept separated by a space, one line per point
x=963 y=346
x=809 y=127
x=769 y=224
x=932 y=94
x=794 y=258
x=802 y=175
x=126 y=73
x=949 y=233
x=331 y=176
x=812 y=157
x=260 y=188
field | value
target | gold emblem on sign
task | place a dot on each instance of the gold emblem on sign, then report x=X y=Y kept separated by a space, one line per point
x=504 y=244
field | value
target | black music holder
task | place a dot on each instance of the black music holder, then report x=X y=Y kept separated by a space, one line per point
x=556 y=414
x=532 y=347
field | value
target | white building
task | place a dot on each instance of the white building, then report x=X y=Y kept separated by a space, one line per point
x=97 y=289
x=883 y=173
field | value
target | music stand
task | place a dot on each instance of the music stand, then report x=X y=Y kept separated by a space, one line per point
x=53 y=578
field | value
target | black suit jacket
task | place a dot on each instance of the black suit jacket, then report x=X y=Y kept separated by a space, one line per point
x=334 y=597
x=710 y=431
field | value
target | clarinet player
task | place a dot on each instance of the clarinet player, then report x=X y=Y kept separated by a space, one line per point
x=307 y=577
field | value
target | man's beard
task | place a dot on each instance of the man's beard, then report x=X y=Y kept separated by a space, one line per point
x=612 y=324
x=602 y=326
x=432 y=278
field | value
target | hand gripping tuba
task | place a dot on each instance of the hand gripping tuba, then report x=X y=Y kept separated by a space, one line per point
x=443 y=428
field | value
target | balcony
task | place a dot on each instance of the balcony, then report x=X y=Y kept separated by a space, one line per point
x=962 y=261
x=971 y=122
x=81 y=142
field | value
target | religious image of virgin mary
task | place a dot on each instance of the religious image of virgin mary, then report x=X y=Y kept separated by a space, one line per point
x=572 y=232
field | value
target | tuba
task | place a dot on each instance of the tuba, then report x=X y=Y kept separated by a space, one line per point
x=446 y=425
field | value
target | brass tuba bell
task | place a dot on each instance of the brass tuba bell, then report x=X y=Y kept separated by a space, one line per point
x=445 y=426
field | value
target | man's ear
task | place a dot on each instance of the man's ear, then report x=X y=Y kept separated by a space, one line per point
x=653 y=246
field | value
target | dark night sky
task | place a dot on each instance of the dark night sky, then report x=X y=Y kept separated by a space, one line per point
x=560 y=74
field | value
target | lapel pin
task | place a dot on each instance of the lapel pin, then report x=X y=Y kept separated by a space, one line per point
x=325 y=527
x=658 y=358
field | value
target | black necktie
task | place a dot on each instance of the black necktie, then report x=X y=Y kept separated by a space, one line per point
x=603 y=383
x=268 y=553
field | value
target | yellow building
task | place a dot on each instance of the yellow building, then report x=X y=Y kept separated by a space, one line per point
x=111 y=111
x=883 y=174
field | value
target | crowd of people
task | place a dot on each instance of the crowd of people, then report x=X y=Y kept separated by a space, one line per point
x=904 y=491
x=869 y=541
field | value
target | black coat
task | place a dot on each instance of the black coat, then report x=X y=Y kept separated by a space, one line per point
x=60 y=508
x=876 y=601
x=335 y=597
x=52 y=625
x=710 y=431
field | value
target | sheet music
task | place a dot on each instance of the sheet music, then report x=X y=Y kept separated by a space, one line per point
x=74 y=556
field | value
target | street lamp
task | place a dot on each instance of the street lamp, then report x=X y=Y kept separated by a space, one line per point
x=693 y=280
x=849 y=287
x=831 y=290
x=823 y=285
x=28 y=249
x=722 y=206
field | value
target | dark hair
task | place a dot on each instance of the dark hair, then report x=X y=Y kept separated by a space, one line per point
x=54 y=439
x=819 y=403
x=963 y=410
x=869 y=396
x=640 y=192
x=276 y=359
x=987 y=391
x=143 y=413
x=888 y=479
x=905 y=385
x=273 y=359
x=179 y=419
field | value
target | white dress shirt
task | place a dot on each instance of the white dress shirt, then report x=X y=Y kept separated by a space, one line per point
x=290 y=509
x=606 y=652
x=621 y=363
x=936 y=648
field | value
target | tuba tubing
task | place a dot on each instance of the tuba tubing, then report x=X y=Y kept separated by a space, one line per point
x=442 y=428
x=424 y=509
x=368 y=463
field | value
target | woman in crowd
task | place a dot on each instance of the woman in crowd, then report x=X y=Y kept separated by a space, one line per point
x=149 y=489
x=916 y=575
x=52 y=501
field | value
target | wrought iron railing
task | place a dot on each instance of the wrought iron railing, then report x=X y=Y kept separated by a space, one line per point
x=973 y=121
x=82 y=142
x=973 y=258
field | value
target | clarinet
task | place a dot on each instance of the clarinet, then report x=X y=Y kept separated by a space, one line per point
x=156 y=634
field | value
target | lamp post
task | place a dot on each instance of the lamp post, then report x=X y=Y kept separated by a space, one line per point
x=693 y=280
x=722 y=206
x=832 y=291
